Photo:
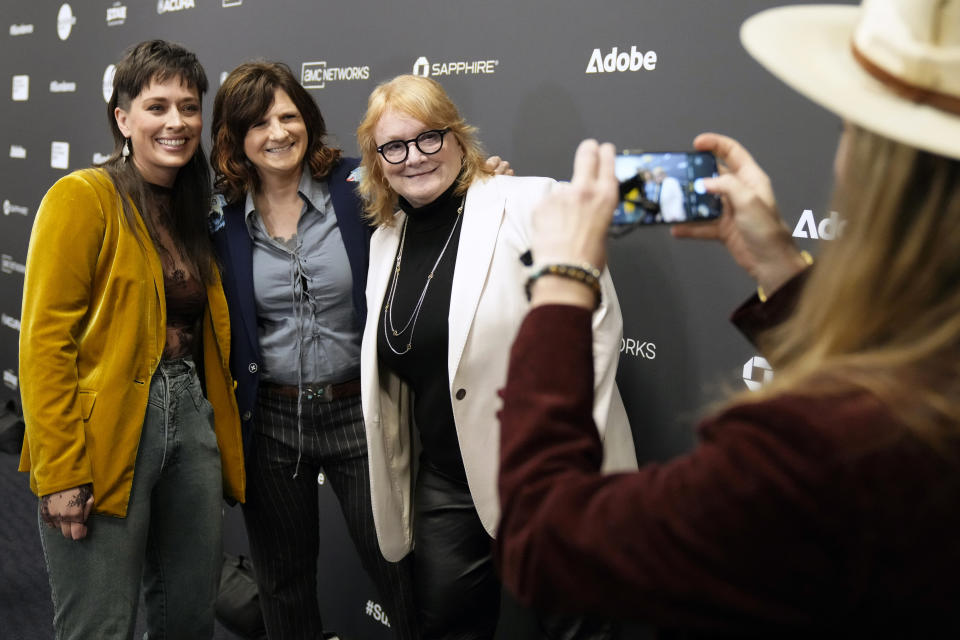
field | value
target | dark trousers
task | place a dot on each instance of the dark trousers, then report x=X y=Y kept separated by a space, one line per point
x=282 y=518
x=457 y=590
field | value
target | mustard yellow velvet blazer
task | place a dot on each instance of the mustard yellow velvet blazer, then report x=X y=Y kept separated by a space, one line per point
x=92 y=332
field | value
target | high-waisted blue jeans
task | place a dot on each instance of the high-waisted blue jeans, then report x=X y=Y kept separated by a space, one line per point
x=170 y=541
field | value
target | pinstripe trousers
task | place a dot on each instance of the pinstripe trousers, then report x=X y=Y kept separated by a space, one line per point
x=282 y=519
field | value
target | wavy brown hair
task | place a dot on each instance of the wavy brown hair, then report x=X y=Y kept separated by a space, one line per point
x=141 y=65
x=243 y=99
x=425 y=100
x=881 y=310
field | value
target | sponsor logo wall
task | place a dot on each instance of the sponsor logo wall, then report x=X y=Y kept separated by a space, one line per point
x=534 y=79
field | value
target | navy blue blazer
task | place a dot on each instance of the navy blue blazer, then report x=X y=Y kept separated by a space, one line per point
x=234 y=248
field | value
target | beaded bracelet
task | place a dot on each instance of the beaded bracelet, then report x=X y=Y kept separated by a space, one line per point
x=584 y=273
x=806 y=258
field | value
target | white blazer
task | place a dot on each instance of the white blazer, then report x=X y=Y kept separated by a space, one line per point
x=487 y=305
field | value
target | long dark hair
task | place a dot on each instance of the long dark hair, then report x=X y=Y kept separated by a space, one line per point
x=243 y=98
x=143 y=64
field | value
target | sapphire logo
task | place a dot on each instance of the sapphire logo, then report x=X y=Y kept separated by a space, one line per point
x=621 y=61
x=316 y=75
x=62 y=87
x=9 y=265
x=21 y=29
x=16 y=151
x=165 y=6
x=59 y=155
x=638 y=348
x=10 y=321
x=827 y=229
x=422 y=67
x=21 y=88
x=757 y=372
x=10 y=379
x=108 y=74
x=9 y=207
x=116 y=15
x=65 y=21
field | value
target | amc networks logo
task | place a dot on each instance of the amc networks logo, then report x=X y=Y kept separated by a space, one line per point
x=638 y=348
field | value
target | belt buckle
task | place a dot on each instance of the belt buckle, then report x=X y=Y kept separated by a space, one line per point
x=322 y=393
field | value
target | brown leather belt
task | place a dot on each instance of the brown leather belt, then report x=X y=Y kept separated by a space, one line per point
x=316 y=391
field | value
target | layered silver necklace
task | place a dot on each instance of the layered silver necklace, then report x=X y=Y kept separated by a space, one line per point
x=388 y=325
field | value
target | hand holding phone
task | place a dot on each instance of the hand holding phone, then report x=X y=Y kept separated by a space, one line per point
x=665 y=188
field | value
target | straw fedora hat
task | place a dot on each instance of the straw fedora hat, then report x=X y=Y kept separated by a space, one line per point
x=890 y=66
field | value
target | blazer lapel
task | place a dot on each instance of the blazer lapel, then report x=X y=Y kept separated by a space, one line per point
x=383 y=251
x=482 y=216
x=353 y=230
x=239 y=249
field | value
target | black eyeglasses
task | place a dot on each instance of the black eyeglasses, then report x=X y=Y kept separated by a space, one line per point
x=428 y=143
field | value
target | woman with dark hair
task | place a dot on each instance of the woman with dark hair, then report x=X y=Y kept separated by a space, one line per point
x=123 y=442
x=294 y=249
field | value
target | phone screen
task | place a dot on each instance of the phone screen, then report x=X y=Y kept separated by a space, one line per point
x=665 y=187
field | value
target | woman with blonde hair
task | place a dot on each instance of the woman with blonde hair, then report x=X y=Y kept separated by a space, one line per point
x=294 y=244
x=444 y=305
x=826 y=504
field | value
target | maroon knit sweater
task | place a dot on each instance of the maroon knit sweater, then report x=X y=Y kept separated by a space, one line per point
x=798 y=515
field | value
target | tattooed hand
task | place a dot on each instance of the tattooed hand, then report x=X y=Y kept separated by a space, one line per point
x=68 y=510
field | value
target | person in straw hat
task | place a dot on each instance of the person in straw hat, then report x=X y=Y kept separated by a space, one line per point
x=826 y=503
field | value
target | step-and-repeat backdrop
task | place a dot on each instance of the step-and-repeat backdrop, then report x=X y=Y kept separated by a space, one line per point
x=536 y=77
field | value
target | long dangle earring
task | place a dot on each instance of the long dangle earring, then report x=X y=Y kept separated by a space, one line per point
x=125 y=153
x=388 y=307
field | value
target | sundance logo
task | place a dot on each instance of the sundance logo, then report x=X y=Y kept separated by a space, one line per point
x=621 y=61
x=9 y=207
x=827 y=229
x=757 y=372
x=59 y=155
x=422 y=67
x=65 y=21
x=9 y=265
x=62 y=87
x=10 y=321
x=316 y=75
x=231 y=3
x=116 y=15
x=100 y=158
x=165 y=6
x=638 y=348
x=21 y=29
x=376 y=612
x=16 y=151
x=108 y=74
x=21 y=88
x=10 y=379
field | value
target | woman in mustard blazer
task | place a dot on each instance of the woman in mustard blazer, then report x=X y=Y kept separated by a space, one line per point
x=123 y=314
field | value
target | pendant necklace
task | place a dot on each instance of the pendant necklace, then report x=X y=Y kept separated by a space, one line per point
x=388 y=325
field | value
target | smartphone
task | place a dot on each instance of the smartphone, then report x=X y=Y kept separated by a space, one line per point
x=665 y=188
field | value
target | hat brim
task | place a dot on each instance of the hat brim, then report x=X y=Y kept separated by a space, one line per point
x=809 y=48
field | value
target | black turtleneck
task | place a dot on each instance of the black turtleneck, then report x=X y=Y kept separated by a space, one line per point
x=424 y=367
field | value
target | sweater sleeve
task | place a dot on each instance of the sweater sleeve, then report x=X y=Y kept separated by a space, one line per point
x=699 y=541
x=66 y=239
